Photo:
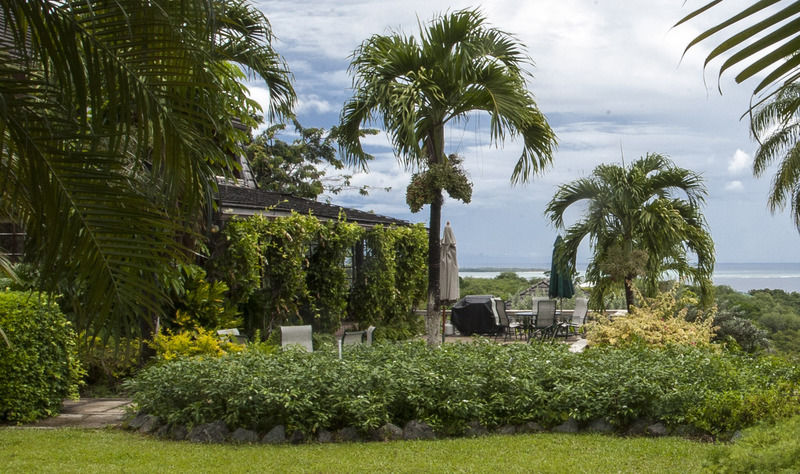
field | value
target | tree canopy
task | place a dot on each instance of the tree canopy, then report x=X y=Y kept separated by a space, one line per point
x=115 y=118
x=415 y=86
x=643 y=220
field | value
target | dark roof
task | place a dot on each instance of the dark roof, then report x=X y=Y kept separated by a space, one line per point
x=242 y=201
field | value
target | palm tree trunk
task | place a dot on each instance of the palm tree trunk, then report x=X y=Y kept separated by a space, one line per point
x=628 y=292
x=432 y=321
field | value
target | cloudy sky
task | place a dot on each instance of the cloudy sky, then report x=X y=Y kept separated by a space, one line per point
x=611 y=80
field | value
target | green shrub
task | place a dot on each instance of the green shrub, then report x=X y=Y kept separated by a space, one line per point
x=460 y=383
x=196 y=342
x=659 y=321
x=764 y=448
x=40 y=367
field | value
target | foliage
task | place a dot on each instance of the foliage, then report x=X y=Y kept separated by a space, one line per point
x=189 y=343
x=116 y=118
x=638 y=224
x=197 y=302
x=774 y=311
x=763 y=39
x=506 y=285
x=326 y=277
x=40 y=366
x=298 y=168
x=292 y=269
x=768 y=447
x=659 y=322
x=107 y=365
x=447 y=176
x=461 y=383
x=775 y=126
x=417 y=85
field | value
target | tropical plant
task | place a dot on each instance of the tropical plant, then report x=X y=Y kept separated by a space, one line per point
x=776 y=124
x=638 y=226
x=419 y=85
x=764 y=39
x=116 y=117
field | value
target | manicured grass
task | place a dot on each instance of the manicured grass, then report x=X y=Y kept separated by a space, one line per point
x=87 y=451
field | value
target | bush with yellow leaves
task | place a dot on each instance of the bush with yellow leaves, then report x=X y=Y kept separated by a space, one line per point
x=194 y=342
x=659 y=322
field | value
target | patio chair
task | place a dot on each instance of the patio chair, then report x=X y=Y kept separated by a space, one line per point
x=545 y=323
x=506 y=326
x=231 y=335
x=370 y=330
x=351 y=338
x=578 y=318
x=299 y=335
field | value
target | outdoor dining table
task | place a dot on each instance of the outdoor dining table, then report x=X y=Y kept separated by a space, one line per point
x=528 y=321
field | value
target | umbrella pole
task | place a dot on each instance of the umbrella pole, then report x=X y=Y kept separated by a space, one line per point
x=444 y=321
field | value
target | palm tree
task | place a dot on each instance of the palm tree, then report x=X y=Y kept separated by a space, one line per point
x=114 y=120
x=637 y=225
x=776 y=124
x=764 y=39
x=417 y=86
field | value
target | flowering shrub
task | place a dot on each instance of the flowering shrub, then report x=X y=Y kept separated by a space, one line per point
x=660 y=321
x=195 y=342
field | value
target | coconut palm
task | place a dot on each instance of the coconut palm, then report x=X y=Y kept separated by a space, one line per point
x=638 y=225
x=416 y=86
x=114 y=120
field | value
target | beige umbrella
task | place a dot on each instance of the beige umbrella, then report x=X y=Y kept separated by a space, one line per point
x=448 y=270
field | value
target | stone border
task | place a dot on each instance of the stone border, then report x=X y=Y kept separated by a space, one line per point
x=218 y=432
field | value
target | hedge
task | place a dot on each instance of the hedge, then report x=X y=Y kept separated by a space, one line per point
x=462 y=383
x=39 y=366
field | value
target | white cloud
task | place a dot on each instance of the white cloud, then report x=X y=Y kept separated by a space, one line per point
x=611 y=80
x=739 y=162
x=735 y=186
x=312 y=103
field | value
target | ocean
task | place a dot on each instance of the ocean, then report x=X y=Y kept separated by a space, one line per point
x=739 y=276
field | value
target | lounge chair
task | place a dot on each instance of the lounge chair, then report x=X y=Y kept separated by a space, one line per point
x=299 y=335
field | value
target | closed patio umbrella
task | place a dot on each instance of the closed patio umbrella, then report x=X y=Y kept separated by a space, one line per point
x=560 y=280
x=448 y=271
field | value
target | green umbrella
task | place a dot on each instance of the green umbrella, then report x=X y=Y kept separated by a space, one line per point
x=560 y=277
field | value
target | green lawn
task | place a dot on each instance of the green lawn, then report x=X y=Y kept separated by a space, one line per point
x=86 y=451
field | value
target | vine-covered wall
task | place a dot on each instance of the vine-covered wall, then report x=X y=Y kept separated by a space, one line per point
x=300 y=270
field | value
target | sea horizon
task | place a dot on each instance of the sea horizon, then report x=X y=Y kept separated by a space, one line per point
x=739 y=276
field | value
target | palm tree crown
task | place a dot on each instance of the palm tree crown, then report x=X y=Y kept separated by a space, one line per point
x=638 y=225
x=418 y=85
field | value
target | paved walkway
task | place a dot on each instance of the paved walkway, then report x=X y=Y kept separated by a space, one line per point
x=88 y=413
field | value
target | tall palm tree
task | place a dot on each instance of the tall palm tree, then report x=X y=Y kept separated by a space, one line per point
x=114 y=120
x=418 y=85
x=638 y=225
x=764 y=40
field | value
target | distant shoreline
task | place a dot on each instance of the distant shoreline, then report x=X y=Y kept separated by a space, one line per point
x=502 y=269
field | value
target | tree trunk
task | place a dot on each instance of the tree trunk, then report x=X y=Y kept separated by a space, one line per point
x=433 y=324
x=628 y=292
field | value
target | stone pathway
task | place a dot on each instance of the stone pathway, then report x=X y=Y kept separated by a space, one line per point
x=88 y=413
